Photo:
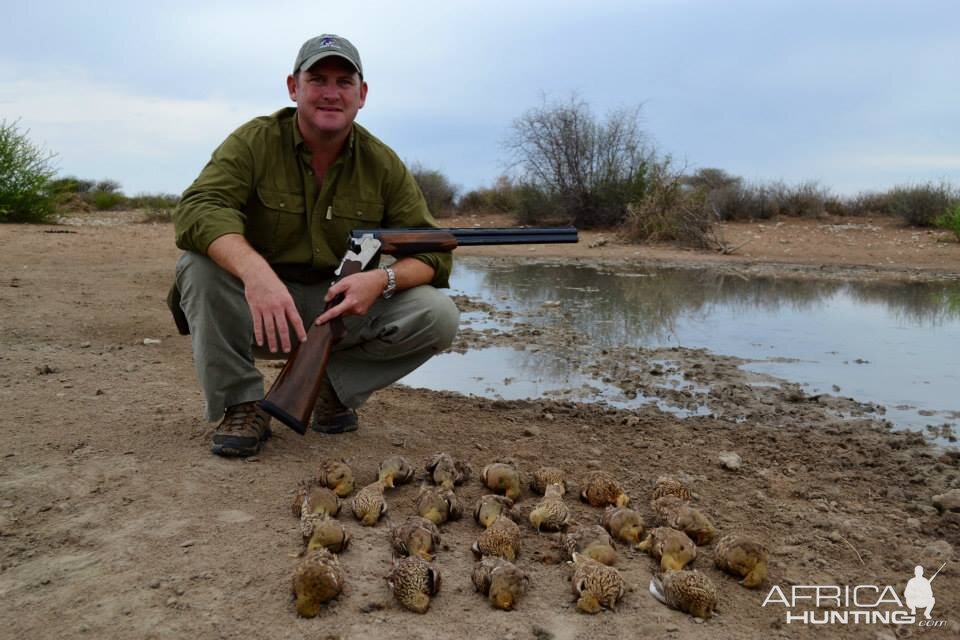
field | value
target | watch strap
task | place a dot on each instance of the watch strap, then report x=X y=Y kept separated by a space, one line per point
x=391 y=287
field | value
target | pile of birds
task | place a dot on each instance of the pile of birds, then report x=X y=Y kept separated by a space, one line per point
x=414 y=577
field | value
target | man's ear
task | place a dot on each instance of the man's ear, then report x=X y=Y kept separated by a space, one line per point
x=292 y=87
x=363 y=93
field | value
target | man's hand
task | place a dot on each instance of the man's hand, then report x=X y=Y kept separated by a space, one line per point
x=272 y=307
x=359 y=290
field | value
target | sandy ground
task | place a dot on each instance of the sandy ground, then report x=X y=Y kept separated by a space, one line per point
x=116 y=522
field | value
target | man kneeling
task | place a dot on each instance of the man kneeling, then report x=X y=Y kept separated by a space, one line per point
x=264 y=226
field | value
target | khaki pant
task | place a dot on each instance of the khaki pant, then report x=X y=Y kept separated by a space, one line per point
x=395 y=336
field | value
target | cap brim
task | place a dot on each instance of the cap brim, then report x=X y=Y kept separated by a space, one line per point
x=312 y=60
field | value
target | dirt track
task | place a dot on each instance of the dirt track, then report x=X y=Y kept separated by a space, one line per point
x=115 y=521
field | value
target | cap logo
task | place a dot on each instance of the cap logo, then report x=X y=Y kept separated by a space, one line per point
x=326 y=42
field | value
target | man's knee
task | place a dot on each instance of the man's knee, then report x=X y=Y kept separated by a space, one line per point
x=445 y=318
x=436 y=317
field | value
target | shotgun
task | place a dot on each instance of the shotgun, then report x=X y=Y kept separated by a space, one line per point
x=294 y=392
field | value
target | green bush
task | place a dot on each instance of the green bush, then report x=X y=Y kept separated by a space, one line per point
x=106 y=200
x=671 y=211
x=711 y=179
x=25 y=173
x=806 y=200
x=71 y=184
x=105 y=195
x=922 y=205
x=74 y=194
x=734 y=200
x=918 y=205
x=951 y=221
x=537 y=206
x=730 y=198
x=437 y=189
x=77 y=194
x=868 y=203
x=737 y=201
x=106 y=186
x=476 y=200
x=500 y=198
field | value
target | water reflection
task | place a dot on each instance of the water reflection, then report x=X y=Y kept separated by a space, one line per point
x=643 y=307
x=897 y=344
x=510 y=374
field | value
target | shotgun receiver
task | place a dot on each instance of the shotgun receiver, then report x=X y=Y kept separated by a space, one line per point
x=294 y=392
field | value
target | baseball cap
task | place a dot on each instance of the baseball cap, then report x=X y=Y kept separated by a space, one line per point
x=324 y=46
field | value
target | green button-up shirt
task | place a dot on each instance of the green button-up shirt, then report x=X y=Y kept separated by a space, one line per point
x=260 y=183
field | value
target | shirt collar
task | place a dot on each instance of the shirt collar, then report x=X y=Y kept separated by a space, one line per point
x=351 y=141
x=297 y=138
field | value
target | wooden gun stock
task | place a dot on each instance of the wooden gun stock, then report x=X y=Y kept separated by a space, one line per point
x=408 y=241
x=294 y=392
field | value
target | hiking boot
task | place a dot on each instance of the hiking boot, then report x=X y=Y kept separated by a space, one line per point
x=243 y=428
x=329 y=414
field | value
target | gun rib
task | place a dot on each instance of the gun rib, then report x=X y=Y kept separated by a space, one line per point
x=467 y=236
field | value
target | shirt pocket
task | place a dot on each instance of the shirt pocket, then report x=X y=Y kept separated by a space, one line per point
x=362 y=213
x=278 y=222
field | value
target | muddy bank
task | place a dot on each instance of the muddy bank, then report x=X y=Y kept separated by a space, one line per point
x=685 y=380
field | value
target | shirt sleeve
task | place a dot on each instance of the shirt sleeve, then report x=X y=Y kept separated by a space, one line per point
x=212 y=205
x=406 y=207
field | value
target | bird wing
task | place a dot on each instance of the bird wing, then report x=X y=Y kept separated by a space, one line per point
x=656 y=590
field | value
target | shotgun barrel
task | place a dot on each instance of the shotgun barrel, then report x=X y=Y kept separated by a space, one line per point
x=475 y=236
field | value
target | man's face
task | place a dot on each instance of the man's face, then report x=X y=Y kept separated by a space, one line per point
x=328 y=95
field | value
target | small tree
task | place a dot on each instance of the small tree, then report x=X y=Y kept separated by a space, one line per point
x=588 y=170
x=26 y=194
x=437 y=189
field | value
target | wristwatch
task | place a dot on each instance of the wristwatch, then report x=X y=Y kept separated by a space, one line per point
x=391 y=287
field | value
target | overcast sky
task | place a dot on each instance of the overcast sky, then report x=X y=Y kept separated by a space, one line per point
x=855 y=95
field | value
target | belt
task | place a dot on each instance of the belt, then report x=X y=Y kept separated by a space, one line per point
x=302 y=274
